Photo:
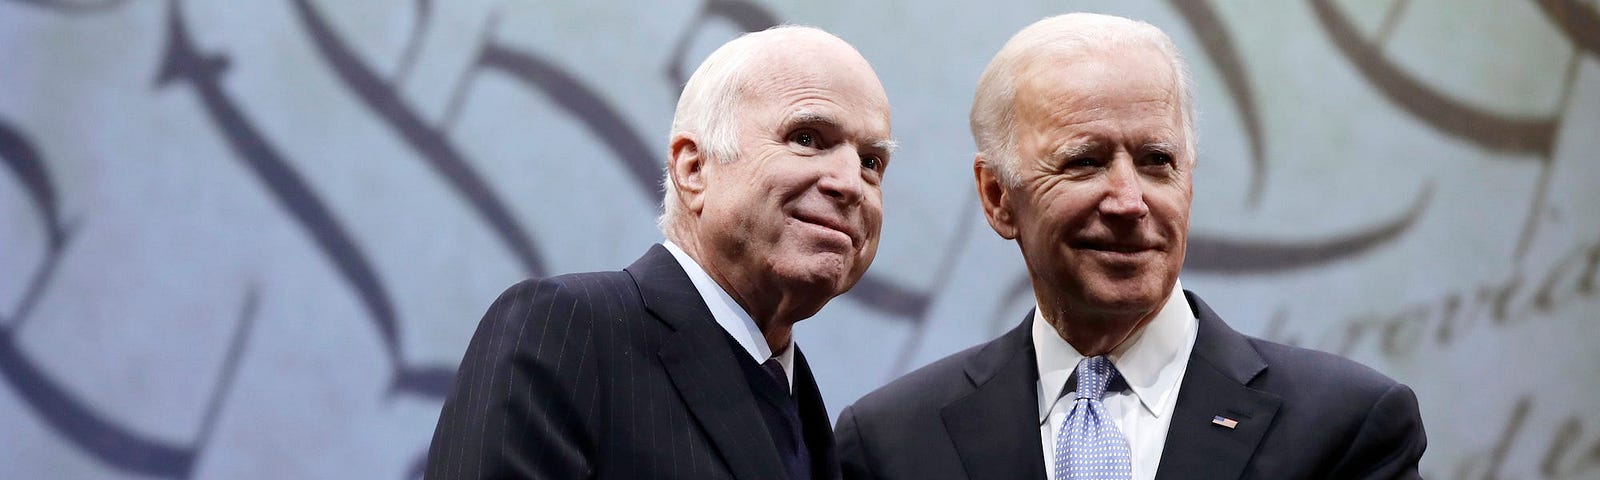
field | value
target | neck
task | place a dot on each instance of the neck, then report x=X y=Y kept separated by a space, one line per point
x=1097 y=334
x=778 y=336
x=773 y=308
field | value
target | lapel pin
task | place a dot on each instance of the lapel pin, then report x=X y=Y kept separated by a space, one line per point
x=1224 y=421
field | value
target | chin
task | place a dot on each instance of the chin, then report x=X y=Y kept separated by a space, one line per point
x=826 y=272
x=1126 y=296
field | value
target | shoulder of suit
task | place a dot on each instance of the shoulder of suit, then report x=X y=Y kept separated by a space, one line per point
x=1321 y=370
x=564 y=298
x=584 y=284
x=1297 y=370
x=927 y=388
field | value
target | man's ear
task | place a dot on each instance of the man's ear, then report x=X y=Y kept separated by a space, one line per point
x=993 y=193
x=686 y=164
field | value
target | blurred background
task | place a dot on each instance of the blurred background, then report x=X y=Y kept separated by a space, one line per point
x=252 y=239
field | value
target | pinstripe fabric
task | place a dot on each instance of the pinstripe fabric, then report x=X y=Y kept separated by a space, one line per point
x=618 y=375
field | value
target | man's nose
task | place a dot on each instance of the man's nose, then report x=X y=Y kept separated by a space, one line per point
x=1124 y=191
x=841 y=176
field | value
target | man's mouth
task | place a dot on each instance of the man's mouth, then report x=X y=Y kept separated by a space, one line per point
x=828 y=223
x=1127 y=248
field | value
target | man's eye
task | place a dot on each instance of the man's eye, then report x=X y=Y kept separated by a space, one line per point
x=1161 y=159
x=1081 y=162
x=871 y=162
x=804 y=138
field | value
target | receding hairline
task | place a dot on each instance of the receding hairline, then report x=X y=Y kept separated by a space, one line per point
x=777 y=48
x=765 y=46
x=1056 y=70
x=726 y=72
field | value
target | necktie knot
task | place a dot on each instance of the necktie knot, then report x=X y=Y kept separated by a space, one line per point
x=1089 y=446
x=775 y=369
x=1094 y=373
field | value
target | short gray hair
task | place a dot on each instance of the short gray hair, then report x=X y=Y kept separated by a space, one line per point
x=705 y=107
x=994 y=116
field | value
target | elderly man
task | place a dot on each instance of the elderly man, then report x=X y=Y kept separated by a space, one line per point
x=1084 y=128
x=681 y=366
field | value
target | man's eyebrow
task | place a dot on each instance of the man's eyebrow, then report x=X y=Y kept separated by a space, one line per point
x=886 y=145
x=1168 y=148
x=811 y=117
x=1075 y=150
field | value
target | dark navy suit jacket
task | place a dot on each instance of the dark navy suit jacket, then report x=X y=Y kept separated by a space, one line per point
x=621 y=375
x=1301 y=413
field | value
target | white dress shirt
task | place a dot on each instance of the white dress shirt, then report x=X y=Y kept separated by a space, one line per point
x=731 y=316
x=1152 y=363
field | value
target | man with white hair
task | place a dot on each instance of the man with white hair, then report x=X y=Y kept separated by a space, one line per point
x=682 y=365
x=1086 y=154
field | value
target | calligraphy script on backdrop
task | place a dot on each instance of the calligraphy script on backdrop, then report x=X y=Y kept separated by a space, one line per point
x=189 y=68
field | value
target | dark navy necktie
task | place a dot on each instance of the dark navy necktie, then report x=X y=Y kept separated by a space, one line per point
x=796 y=461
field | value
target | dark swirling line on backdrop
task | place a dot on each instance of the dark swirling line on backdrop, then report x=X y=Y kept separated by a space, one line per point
x=1217 y=42
x=1581 y=24
x=941 y=276
x=103 y=439
x=1391 y=21
x=431 y=144
x=27 y=166
x=887 y=297
x=408 y=56
x=1491 y=131
x=428 y=381
x=748 y=16
x=1019 y=292
x=183 y=63
x=23 y=160
x=1237 y=256
x=230 y=366
x=73 y=7
x=67 y=415
x=584 y=104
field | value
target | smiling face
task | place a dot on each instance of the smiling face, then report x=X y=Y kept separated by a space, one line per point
x=1101 y=211
x=794 y=219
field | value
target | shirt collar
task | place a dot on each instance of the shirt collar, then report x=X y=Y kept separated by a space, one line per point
x=1151 y=362
x=729 y=315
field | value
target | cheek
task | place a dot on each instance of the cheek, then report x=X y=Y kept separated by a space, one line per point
x=1171 y=208
x=872 y=216
x=1066 y=210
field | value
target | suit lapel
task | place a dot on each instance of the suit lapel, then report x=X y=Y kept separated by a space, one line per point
x=995 y=429
x=814 y=420
x=1216 y=384
x=702 y=366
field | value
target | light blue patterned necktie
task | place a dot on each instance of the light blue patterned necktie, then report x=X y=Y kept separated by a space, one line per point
x=1089 y=445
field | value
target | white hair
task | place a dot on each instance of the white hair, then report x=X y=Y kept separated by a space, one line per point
x=708 y=102
x=994 y=116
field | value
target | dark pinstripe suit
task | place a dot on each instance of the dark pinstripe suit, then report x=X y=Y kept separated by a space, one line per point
x=612 y=375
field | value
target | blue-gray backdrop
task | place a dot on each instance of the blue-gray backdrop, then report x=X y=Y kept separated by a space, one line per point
x=251 y=239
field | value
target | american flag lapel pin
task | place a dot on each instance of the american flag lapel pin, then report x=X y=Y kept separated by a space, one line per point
x=1224 y=421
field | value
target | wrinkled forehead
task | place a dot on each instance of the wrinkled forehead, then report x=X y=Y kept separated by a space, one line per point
x=1101 y=71
x=1095 y=82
